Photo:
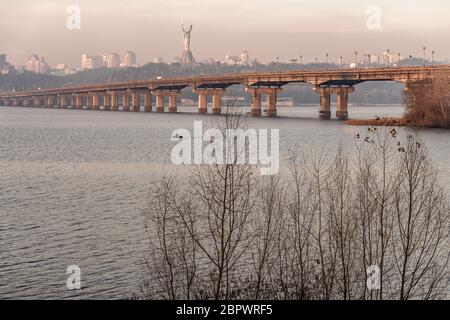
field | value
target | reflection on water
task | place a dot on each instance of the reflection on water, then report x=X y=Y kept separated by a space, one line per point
x=74 y=185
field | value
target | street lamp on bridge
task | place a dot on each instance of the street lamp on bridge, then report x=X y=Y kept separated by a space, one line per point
x=424 y=55
x=388 y=58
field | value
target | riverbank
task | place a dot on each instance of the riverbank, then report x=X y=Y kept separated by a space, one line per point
x=387 y=122
x=395 y=122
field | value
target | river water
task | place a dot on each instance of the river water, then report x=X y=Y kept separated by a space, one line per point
x=74 y=185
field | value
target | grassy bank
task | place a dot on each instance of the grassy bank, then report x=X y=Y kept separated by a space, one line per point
x=390 y=122
x=397 y=122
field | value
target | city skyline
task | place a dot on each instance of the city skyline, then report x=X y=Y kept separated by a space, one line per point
x=265 y=29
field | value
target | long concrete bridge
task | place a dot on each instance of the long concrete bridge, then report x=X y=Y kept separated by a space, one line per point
x=133 y=95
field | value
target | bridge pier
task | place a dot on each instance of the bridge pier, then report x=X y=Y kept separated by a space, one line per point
x=95 y=102
x=50 y=102
x=271 y=108
x=76 y=101
x=113 y=96
x=135 y=106
x=106 y=102
x=159 y=101
x=256 y=103
x=217 y=100
x=216 y=95
x=125 y=102
x=36 y=101
x=173 y=101
x=62 y=102
x=342 y=101
x=202 y=101
x=147 y=102
x=89 y=102
x=271 y=100
x=325 y=102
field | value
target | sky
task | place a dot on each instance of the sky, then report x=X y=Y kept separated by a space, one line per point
x=265 y=28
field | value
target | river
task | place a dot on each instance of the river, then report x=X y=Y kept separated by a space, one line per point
x=74 y=185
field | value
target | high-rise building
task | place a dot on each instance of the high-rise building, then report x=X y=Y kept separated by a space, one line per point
x=2 y=59
x=129 y=59
x=370 y=59
x=245 y=58
x=388 y=58
x=111 y=60
x=37 y=64
x=231 y=60
x=5 y=67
x=91 y=62
x=242 y=60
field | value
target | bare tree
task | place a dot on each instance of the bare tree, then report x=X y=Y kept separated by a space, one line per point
x=428 y=102
x=421 y=237
x=377 y=181
x=268 y=220
x=342 y=223
x=172 y=253
x=228 y=234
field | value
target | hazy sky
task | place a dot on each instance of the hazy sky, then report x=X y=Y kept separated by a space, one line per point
x=266 y=28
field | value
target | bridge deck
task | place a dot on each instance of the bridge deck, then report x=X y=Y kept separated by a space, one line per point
x=333 y=77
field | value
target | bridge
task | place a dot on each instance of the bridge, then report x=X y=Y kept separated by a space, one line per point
x=133 y=95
